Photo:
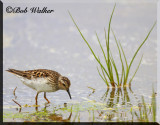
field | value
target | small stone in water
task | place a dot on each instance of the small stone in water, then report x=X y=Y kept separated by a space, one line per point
x=65 y=104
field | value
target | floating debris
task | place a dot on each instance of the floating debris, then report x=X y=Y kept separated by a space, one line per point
x=14 y=92
x=91 y=88
x=65 y=104
x=93 y=91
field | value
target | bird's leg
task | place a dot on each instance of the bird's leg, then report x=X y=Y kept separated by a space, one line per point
x=36 y=97
x=46 y=97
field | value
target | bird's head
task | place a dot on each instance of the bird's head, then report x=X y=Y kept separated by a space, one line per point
x=64 y=84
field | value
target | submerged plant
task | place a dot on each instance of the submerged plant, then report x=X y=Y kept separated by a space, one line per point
x=107 y=72
x=147 y=113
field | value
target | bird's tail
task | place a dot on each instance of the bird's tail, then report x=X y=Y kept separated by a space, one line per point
x=16 y=72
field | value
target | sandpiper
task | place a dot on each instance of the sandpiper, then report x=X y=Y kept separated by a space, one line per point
x=43 y=80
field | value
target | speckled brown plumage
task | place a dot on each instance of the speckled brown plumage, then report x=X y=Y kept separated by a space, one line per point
x=38 y=73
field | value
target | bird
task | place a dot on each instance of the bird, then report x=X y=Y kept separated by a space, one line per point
x=43 y=80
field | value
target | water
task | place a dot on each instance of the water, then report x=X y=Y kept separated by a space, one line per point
x=51 y=41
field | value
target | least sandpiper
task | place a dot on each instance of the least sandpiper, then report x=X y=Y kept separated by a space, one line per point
x=43 y=80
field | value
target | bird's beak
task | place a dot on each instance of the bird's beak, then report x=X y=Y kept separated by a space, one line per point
x=69 y=94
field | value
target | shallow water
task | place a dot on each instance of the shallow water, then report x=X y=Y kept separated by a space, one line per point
x=51 y=41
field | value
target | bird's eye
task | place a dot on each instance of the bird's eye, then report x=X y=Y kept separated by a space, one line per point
x=64 y=84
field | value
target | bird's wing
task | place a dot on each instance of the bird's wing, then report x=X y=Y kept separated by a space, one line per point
x=38 y=73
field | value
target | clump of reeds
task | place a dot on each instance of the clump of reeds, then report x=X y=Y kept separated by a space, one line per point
x=107 y=72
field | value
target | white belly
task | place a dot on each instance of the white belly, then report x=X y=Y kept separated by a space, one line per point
x=39 y=84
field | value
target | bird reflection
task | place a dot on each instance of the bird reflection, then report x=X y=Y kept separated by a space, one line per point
x=52 y=116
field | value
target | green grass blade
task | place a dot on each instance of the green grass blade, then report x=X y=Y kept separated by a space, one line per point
x=103 y=55
x=108 y=49
x=106 y=37
x=124 y=55
x=138 y=50
x=123 y=71
x=103 y=69
x=108 y=64
x=88 y=44
x=135 y=71
x=111 y=71
x=102 y=49
x=105 y=77
x=102 y=77
x=124 y=82
x=115 y=68
x=109 y=28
